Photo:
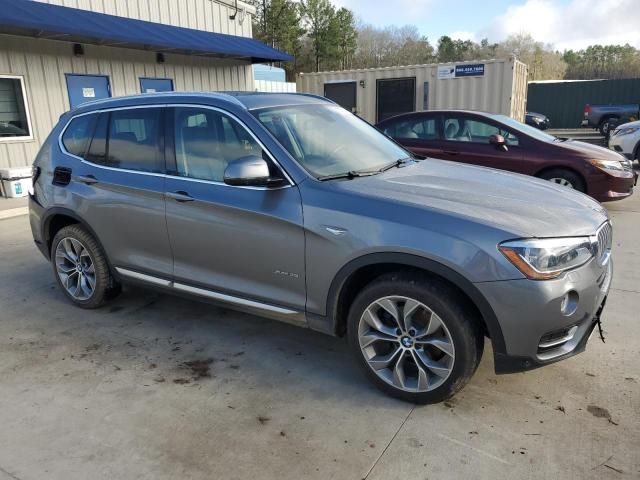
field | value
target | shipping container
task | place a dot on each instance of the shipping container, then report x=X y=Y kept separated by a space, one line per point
x=498 y=86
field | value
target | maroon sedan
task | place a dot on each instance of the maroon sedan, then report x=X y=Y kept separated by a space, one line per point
x=498 y=141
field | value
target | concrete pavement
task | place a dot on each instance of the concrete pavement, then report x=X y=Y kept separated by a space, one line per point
x=159 y=387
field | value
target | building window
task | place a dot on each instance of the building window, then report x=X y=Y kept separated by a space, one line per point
x=14 y=116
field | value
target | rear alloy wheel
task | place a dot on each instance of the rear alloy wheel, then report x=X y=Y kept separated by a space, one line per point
x=81 y=268
x=415 y=337
x=563 y=177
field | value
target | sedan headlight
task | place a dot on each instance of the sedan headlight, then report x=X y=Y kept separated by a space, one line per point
x=614 y=165
x=546 y=258
x=627 y=131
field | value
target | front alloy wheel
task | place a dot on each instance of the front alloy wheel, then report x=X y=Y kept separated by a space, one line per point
x=406 y=344
x=417 y=337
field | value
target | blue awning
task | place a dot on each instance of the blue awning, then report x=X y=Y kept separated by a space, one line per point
x=42 y=20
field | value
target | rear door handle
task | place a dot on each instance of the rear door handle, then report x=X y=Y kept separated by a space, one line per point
x=180 y=196
x=86 y=179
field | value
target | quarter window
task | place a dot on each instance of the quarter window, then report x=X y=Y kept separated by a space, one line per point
x=77 y=135
x=14 y=119
x=206 y=141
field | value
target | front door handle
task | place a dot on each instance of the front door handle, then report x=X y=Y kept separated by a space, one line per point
x=180 y=196
x=86 y=179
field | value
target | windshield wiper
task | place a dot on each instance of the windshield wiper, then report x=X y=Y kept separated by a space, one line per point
x=398 y=163
x=367 y=173
x=350 y=174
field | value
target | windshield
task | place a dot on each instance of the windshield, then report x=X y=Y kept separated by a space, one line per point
x=524 y=128
x=328 y=140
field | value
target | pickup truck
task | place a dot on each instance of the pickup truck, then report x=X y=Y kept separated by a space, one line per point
x=599 y=116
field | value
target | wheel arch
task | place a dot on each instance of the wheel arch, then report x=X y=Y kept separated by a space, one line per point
x=57 y=218
x=362 y=270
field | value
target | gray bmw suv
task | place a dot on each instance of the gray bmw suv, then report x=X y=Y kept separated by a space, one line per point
x=290 y=207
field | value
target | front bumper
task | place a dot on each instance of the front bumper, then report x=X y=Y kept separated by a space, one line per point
x=535 y=330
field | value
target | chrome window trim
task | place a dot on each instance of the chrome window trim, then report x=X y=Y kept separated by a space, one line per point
x=166 y=175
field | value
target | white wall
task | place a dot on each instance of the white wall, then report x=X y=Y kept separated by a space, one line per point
x=209 y=15
x=269 y=86
x=43 y=64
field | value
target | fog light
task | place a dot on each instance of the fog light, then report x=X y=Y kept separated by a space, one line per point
x=569 y=303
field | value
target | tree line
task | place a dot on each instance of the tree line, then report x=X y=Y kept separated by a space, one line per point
x=322 y=37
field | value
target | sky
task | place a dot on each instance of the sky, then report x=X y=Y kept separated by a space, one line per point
x=566 y=24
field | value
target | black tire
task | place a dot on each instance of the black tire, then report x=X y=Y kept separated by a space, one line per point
x=453 y=309
x=571 y=177
x=604 y=126
x=106 y=286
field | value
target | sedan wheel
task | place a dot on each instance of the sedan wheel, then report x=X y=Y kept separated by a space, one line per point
x=561 y=181
x=406 y=344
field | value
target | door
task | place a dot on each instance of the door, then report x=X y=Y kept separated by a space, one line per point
x=395 y=96
x=241 y=241
x=120 y=188
x=343 y=93
x=466 y=139
x=153 y=85
x=85 y=88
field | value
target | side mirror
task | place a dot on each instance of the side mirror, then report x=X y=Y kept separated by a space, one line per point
x=250 y=171
x=498 y=141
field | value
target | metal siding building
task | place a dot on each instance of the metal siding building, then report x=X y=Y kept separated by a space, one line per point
x=563 y=101
x=501 y=88
x=41 y=67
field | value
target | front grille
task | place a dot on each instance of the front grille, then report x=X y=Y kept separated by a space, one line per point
x=605 y=239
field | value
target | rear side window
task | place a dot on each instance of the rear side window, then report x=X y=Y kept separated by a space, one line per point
x=78 y=133
x=419 y=128
x=133 y=141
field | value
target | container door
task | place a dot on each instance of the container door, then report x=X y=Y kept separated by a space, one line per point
x=153 y=85
x=85 y=88
x=395 y=96
x=344 y=94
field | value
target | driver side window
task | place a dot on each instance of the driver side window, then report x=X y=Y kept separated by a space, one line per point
x=460 y=129
x=206 y=141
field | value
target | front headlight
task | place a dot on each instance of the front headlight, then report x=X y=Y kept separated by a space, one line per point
x=546 y=258
x=627 y=131
x=608 y=165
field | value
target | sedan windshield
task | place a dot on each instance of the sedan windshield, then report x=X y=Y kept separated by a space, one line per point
x=329 y=141
x=524 y=128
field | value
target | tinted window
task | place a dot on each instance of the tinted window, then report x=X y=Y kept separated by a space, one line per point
x=206 y=141
x=134 y=140
x=77 y=135
x=462 y=129
x=98 y=148
x=418 y=128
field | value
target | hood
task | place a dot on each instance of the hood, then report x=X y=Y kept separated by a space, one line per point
x=588 y=150
x=520 y=205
